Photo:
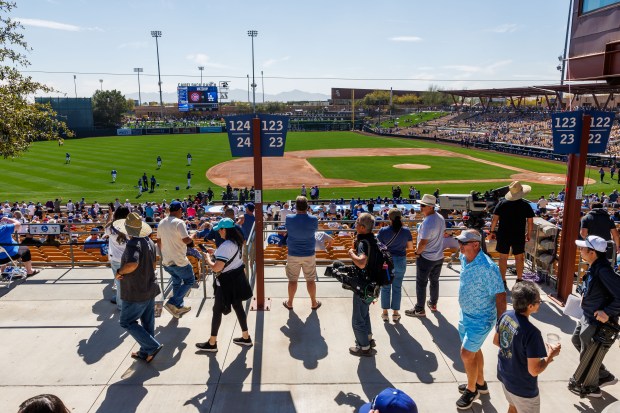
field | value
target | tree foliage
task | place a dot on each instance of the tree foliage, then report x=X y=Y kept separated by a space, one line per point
x=376 y=98
x=108 y=108
x=21 y=120
x=434 y=96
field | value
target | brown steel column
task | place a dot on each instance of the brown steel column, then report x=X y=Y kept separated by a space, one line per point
x=572 y=215
x=258 y=303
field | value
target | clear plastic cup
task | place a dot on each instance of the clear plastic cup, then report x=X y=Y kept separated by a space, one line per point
x=553 y=339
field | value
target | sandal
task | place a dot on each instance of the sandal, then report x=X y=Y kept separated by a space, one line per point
x=285 y=304
x=396 y=318
x=137 y=356
x=35 y=272
x=385 y=316
x=151 y=356
x=317 y=306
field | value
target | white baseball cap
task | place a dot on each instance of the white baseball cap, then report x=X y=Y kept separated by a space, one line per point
x=593 y=242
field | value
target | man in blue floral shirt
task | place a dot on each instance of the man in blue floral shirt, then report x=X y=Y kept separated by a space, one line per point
x=482 y=299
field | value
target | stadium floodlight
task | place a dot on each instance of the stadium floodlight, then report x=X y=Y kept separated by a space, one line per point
x=101 y=84
x=253 y=34
x=138 y=70
x=75 y=85
x=157 y=34
x=201 y=68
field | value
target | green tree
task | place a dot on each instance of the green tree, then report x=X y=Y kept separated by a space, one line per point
x=434 y=96
x=108 y=108
x=409 y=100
x=131 y=105
x=270 y=107
x=21 y=122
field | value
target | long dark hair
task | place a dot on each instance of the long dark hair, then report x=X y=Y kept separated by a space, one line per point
x=397 y=223
x=233 y=234
x=43 y=403
x=120 y=213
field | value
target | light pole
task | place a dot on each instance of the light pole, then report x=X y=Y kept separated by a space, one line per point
x=253 y=34
x=101 y=85
x=201 y=68
x=138 y=70
x=75 y=85
x=248 y=89
x=157 y=34
x=263 y=85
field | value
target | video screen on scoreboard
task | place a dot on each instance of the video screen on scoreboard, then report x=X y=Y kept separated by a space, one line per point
x=197 y=98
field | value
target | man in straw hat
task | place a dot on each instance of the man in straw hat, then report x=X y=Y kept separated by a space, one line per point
x=429 y=256
x=516 y=218
x=138 y=286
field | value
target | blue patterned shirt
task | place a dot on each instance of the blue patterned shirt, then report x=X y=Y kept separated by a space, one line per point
x=480 y=283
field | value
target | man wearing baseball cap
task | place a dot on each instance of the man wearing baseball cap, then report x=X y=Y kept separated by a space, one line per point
x=390 y=401
x=600 y=301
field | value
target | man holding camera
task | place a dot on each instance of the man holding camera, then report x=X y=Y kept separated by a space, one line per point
x=361 y=310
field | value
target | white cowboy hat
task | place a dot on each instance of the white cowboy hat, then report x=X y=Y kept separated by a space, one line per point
x=516 y=191
x=428 y=200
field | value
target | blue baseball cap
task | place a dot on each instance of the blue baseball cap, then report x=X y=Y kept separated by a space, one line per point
x=391 y=401
x=224 y=223
x=175 y=206
x=249 y=206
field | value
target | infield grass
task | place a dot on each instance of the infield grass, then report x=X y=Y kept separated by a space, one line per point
x=41 y=174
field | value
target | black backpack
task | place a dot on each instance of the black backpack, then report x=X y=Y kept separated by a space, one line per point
x=380 y=266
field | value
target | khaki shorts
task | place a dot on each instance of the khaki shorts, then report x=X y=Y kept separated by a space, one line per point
x=523 y=404
x=295 y=264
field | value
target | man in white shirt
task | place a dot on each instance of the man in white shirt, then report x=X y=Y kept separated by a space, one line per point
x=284 y=212
x=172 y=239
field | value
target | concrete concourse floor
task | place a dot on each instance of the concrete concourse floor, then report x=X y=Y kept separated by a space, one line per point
x=60 y=335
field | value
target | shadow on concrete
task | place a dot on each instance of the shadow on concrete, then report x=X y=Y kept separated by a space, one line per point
x=107 y=337
x=409 y=354
x=447 y=338
x=598 y=405
x=551 y=314
x=371 y=379
x=306 y=342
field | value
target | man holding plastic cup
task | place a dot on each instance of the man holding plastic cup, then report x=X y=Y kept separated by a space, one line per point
x=522 y=353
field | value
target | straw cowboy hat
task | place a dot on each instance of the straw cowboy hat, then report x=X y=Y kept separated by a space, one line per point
x=516 y=191
x=133 y=226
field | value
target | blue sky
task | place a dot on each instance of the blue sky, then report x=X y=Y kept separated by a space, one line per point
x=404 y=44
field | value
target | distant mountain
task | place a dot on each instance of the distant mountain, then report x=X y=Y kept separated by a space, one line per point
x=241 y=95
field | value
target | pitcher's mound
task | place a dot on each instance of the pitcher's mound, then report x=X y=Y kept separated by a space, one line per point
x=410 y=166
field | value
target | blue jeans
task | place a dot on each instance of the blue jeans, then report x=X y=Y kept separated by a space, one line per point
x=361 y=322
x=395 y=289
x=144 y=332
x=119 y=302
x=427 y=270
x=182 y=280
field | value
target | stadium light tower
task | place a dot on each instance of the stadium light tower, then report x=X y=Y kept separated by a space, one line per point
x=201 y=68
x=75 y=85
x=263 y=85
x=138 y=70
x=157 y=34
x=253 y=34
x=101 y=84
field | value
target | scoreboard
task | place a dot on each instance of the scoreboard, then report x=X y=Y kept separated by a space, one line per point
x=197 y=97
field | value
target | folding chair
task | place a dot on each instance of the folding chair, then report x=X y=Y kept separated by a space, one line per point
x=11 y=271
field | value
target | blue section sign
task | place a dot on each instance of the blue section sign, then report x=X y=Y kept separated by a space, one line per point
x=240 y=135
x=566 y=129
x=273 y=135
x=600 y=129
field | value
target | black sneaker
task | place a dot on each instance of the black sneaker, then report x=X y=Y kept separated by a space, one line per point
x=206 y=346
x=359 y=352
x=484 y=389
x=373 y=343
x=415 y=313
x=243 y=341
x=607 y=381
x=595 y=393
x=467 y=399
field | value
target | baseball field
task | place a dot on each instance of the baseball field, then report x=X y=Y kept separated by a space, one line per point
x=343 y=164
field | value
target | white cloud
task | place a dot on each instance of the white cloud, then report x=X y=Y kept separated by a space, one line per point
x=504 y=28
x=406 y=39
x=271 y=62
x=204 y=60
x=49 y=24
x=423 y=76
x=485 y=69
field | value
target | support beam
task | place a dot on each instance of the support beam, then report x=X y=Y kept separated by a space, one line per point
x=598 y=106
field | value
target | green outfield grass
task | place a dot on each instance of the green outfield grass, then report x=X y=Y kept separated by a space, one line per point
x=412 y=119
x=41 y=174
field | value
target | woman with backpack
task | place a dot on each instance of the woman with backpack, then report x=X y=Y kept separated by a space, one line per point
x=397 y=239
x=117 y=243
x=231 y=285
